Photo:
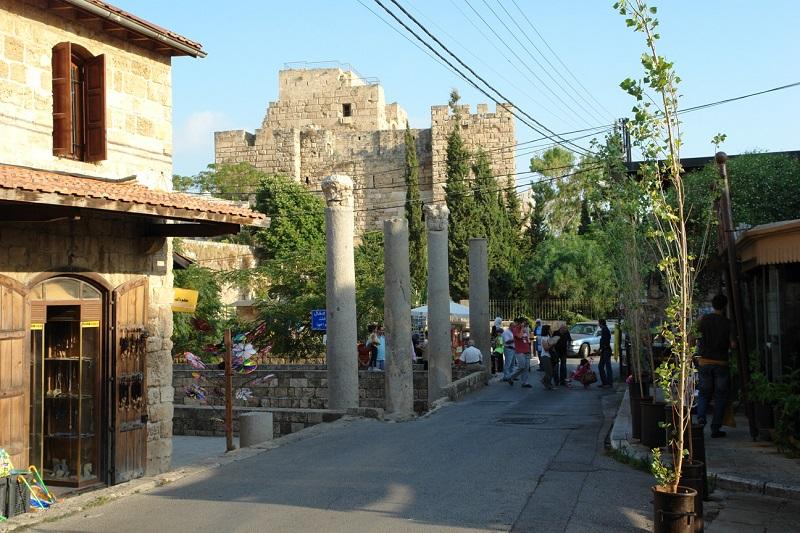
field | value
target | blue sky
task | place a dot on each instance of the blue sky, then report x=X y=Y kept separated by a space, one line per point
x=720 y=49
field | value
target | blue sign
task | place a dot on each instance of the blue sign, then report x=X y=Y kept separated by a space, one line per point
x=319 y=320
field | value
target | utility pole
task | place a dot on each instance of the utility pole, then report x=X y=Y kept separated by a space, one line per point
x=727 y=243
x=626 y=141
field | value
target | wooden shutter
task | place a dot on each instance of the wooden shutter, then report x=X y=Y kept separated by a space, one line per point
x=129 y=444
x=62 y=100
x=95 y=71
x=14 y=372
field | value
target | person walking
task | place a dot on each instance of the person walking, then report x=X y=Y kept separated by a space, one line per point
x=522 y=352
x=714 y=344
x=508 y=352
x=606 y=373
x=545 y=361
x=372 y=345
x=559 y=354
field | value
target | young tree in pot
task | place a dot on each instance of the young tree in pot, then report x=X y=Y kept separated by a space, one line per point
x=655 y=131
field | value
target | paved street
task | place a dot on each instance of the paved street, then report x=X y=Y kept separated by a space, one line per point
x=503 y=459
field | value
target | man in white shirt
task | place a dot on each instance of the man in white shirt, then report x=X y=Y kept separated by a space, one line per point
x=471 y=355
x=508 y=353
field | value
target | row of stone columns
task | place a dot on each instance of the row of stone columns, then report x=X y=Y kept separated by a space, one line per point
x=341 y=303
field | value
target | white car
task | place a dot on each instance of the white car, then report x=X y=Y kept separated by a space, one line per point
x=586 y=337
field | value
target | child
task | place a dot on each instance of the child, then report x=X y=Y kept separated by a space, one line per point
x=584 y=374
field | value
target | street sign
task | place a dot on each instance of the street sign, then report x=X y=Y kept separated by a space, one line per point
x=319 y=320
x=184 y=300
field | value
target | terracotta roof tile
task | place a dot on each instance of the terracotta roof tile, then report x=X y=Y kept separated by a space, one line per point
x=35 y=180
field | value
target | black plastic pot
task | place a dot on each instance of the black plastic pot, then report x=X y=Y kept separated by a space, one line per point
x=635 y=389
x=636 y=416
x=765 y=419
x=653 y=415
x=673 y=512
x=692 y=477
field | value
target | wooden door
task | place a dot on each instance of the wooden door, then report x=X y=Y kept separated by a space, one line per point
x=14 y=371
x=128 y=385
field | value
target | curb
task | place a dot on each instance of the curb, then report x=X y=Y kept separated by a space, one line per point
x=619 y=440
x=82 y=502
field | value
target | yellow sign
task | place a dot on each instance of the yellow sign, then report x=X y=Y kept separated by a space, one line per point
x=184 y=301
x=37 y=326
x=90 y=324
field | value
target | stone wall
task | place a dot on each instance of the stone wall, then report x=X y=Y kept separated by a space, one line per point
x=206 y=421
x=220 y=256
x=494 y=132
x=138 y=97
x=111 y=247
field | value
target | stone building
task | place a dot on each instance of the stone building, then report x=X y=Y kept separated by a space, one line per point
x=331 y=120
x=86 y=220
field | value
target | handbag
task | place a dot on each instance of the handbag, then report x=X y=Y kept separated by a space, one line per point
x=589 y=378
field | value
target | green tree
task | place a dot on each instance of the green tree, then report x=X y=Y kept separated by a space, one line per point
x=561 y=208
x=513 y=205
x=461 y=203
x=417 y=241
x=297 y=217
x=182 y=183
x=186 y=337
x=571 y=266
x=586 y=219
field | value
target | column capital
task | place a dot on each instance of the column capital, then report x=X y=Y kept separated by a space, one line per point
x=436 y=216
x=338 y=190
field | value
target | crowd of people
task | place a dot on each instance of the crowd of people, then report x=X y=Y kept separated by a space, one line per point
x=514 y=346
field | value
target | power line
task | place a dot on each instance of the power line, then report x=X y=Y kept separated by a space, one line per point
x=591 y=109
x=560 y=61
x=597 y=130
x=736 y=98
x=514 y=35
x=562 y=142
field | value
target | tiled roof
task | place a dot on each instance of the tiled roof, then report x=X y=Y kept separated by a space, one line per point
x=155 y=27
x=68 y=185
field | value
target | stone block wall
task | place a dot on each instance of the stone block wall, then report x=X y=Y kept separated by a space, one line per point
x=494 y=132
x=220 y=256
x=109 y=246
x=206 y=421
x=138 y=97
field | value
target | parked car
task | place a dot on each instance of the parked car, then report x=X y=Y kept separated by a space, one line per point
x=586 y=337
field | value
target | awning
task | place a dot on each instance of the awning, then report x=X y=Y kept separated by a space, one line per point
x=770 y=244
x=35 y=195
x=458 y=312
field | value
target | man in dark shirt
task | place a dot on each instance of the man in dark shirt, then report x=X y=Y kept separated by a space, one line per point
x=606 y=375
x=714 y=344
x=559 y=355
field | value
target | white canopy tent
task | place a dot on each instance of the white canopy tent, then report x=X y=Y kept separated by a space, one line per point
x=458 y=313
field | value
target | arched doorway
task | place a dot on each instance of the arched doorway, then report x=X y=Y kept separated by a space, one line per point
x=68 y=367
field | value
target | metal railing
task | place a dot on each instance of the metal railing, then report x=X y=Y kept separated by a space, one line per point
x=553 y=308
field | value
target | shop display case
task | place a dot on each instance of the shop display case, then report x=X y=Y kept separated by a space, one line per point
x=65 y=412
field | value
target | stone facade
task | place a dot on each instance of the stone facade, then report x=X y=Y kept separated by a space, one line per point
x=109 y=247
x=329 y=121
x=138 y=97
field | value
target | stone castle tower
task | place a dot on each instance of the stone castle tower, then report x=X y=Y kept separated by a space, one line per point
x=331 y=120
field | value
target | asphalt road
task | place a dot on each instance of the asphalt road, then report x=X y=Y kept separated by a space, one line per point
x=503 y=459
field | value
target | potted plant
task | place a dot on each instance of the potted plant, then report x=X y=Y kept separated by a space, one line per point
x=655 y=132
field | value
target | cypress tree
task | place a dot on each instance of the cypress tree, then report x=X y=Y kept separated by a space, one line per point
x=417 y=242
x=461 y=203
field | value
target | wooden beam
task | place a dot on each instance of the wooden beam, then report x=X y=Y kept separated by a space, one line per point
x=36 y=213
x=112 y=28
x=191 y=230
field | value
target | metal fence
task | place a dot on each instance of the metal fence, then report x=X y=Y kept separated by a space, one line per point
x=553 y=309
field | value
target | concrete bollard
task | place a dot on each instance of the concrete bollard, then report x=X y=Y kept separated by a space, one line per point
x=254 y=428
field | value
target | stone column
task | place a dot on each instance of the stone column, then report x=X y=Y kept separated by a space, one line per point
x=479 y=300
x=440 y=358
x=340 y=294
x=397 y=319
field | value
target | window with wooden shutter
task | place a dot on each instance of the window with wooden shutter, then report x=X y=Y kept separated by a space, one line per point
x=79 y=103
x=95 y=72
x=62 y=100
